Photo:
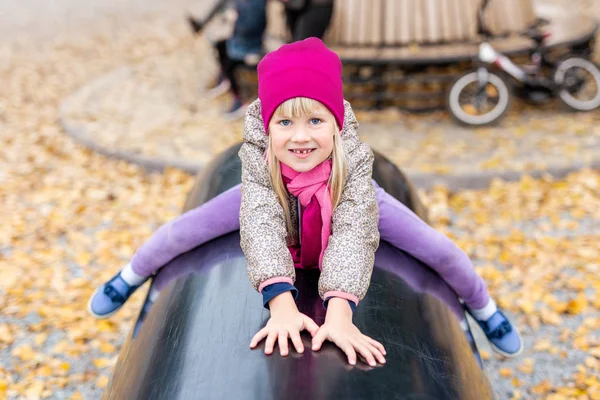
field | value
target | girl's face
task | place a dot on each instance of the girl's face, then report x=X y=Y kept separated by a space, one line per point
x=303 y=142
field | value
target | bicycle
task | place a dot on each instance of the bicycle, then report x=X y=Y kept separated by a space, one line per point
x=482 y=97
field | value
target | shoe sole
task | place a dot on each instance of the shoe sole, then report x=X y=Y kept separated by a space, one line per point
x=496 y=348
x=505 y=354
x=216 y=92
x=98 y=316
x=236 y=115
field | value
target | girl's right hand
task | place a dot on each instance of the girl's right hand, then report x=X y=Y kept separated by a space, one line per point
x=285 y=322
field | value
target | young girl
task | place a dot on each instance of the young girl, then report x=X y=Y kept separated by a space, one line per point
x=307 y=200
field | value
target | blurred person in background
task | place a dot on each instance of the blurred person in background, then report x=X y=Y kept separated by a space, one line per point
x=244 y=46
x=220 y=21
x=305 y=18
x=308 y=18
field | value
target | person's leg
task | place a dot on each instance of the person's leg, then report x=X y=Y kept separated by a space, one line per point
x=210 y=220
x=215 y=218
x=400 y=227
x=229 y=71
x=291 y=16
x=312 y=22
x=238 y=107
x=221 y=48
x=221 y=84
x=196 y=260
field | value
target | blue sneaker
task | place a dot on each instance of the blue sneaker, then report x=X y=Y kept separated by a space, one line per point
x=503 y=337
x=111 y=296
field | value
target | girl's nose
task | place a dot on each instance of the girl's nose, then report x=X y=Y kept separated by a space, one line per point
x=300 y=135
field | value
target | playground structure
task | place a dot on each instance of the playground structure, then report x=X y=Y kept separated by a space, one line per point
x=194 y=342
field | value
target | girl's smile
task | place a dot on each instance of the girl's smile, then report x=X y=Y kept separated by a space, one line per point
x=302 y=153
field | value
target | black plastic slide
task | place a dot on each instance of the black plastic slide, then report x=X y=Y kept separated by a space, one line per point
x=194 y=342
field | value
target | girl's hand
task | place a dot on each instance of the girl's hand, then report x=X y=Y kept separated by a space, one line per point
x=285 y=322
x=339 y=329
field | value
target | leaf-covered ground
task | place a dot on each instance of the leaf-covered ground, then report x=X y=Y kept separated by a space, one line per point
x=70 y=218
x=535 y=242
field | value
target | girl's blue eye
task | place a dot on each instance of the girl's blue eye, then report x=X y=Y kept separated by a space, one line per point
x=315 y=121
x=285 y=122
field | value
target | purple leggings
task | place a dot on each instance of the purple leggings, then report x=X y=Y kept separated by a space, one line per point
x=398 y=225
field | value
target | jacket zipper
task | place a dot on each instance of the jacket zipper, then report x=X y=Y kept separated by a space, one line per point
x=299 y=221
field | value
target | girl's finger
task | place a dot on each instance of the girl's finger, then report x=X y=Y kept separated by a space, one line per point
x=283 y=342
x=297 y=341
x=260 y=335
x=376 y=344
x=270 y=343
x=347 y=348
x=364 y=351
x=310 y=325
x=318 y=339
x=375 y=351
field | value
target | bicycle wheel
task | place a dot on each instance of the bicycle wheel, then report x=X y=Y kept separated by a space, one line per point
x=579 y=82
x=475 y=104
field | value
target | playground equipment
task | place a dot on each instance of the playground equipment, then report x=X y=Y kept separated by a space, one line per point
x=194 y=342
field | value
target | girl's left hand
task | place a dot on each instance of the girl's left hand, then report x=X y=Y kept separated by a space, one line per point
x=339 y=329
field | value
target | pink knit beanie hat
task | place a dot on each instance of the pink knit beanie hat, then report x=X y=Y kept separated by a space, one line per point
x=301 y=69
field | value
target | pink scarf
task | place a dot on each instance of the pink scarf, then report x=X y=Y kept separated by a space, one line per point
x=312 y=191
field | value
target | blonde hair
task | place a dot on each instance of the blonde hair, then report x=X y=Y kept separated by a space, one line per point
x=298 y=107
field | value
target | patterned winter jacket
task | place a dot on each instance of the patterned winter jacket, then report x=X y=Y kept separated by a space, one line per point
x=348 y=260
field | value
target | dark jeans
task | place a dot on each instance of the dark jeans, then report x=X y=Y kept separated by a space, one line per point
x=311 y=21
x=228 y=67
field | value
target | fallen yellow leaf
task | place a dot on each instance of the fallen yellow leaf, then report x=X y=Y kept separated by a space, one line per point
x=102 y=381
x=101 y=362
x=6 y=336
x=106 y=326
x=542 y=345
x=577 y=305
x=542 y=388
x=592 y=363
x=44 y=371
x=76 y=396
x=24 y=352
x=527 y=366
x=107 y=348
x=35 y=390
x=40 y=339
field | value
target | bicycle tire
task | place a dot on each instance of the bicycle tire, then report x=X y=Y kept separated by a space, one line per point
x=490 y=118
x=564 y=95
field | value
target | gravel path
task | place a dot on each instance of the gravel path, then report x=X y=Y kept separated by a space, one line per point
x=535 y=244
